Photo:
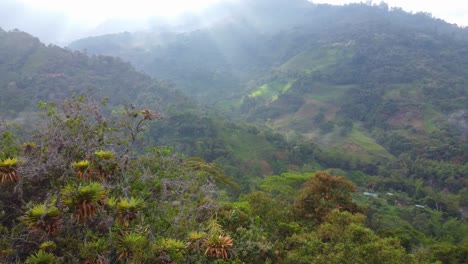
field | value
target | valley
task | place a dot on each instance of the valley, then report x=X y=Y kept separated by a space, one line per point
x=280 y=132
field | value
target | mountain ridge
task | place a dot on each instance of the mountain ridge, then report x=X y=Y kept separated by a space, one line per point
x=340 y=76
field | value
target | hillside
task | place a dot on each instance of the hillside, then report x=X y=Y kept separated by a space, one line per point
x=325 y=71
x=346 y=143
x=31 y=72
x=381 y=91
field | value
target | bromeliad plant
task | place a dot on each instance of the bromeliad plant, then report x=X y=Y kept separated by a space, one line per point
x=42 y=257
x=169 y=247
x=104 y=155
x=8 y=173
x=83 y=169
x=45 y=218
x=217 y=245
x=105 y=163
x=95 y=251
x=127 y=208
x=131 y=247
x=48 y=246
x=84 y=199
x=196 y=240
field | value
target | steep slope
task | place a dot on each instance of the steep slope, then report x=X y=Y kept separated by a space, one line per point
x=346 y=77
x=31 y=72
x=405 y=81
x=212 y=62
x=219 y=60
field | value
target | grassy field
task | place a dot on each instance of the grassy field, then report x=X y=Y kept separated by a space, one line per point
x=247 y=146
x=369 y=144
x=271 y=91
x=317 y=59
x=326 y=92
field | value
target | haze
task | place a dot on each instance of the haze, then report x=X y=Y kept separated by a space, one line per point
x=61 y=21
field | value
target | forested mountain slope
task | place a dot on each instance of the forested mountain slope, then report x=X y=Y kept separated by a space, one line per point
x=31 y=72
x=383 y=91
x=253 y=39
x=101 y=182
x=361 y=78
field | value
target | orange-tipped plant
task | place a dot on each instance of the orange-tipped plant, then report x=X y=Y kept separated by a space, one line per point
x=105 y=163
x=45 y=218
x=8 y=173
x=83 y=169
x=84 y=198
x=196 y=240
x=128 y=209
x=131 y=246
x=218 y=246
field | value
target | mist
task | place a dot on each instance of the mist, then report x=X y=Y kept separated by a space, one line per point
x=53 y=27
x=60 y=28
x=49 y=27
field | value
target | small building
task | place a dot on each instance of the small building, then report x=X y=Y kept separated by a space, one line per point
x=374 y=195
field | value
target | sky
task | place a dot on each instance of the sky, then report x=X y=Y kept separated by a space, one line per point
x=92 y=12
x=452 y=11
x=60 y=21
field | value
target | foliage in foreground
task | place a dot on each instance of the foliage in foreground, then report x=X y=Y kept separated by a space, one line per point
x=88 y=191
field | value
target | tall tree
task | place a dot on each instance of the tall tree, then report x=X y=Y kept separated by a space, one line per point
x=323 y=193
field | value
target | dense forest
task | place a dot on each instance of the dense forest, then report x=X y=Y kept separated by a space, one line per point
x=284 y=132
x=88 y=186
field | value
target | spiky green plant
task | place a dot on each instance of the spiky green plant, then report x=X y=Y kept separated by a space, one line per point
x=172 y=247
x=195 y=235
x=8 y=173
x=128 y=209
x=196 y=240
x=43 y=217
x=112 y=202
x=84 y=198
x=94 y=251
x=131 y=246
x=81 y=165
x=170 y=244
x=48 y=246
x=83 y=169
x=105 y=163
x=214 y=228
x=42 y=257
x=9 y=162
x=218 y=246
x=104 y=155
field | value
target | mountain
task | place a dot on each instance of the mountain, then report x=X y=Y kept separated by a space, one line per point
x=376 y=96
x=220 y=57
x=379 y=90
x=31 y=72
x=344 y=76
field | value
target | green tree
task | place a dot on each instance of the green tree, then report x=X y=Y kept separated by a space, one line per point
x=342 y=238
x=323 y=193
